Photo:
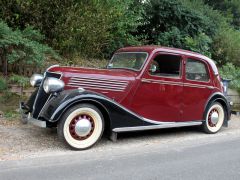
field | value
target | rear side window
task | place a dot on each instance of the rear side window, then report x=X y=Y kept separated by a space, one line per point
x=166 y=66
x=196 y=70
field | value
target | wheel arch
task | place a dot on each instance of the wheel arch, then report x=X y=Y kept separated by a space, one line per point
x=220 y=98
x=100 y=106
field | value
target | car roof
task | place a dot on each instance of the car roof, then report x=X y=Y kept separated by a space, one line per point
x=153 y=48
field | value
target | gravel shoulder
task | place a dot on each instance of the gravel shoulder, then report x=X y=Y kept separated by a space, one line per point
x=18 y=141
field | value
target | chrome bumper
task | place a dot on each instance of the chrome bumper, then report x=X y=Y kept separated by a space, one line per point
x=28 y=117
x=36 y=122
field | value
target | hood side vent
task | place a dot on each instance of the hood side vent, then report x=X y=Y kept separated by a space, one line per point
x=98 y=83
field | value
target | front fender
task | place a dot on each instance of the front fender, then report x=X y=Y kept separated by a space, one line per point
x=117 y=114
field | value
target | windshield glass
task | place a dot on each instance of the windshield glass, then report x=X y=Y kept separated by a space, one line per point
x=127 y=60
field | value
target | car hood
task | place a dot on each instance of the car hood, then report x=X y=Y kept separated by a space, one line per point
x=114 y=83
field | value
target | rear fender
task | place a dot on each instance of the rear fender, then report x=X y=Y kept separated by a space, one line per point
x=219 y=97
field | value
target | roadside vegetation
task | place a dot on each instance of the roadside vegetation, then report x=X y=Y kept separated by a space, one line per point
x=87 y=33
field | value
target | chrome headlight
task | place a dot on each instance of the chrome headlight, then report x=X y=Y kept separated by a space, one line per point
x=52 y=85
x=36 y=80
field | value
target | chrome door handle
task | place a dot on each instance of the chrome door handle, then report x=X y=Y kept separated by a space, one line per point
x=210 y=87
x=146 y=80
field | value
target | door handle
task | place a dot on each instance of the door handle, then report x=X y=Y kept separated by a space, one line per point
x=146 y=80
x=210 y=87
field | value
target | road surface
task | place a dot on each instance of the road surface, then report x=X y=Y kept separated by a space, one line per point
x=211 y=157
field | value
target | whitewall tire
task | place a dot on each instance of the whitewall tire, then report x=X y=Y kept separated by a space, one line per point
x=81 y=126
x=214 y=118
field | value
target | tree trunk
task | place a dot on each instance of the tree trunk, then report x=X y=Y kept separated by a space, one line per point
x=3 y=58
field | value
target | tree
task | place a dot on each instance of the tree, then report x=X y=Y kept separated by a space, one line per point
x=22 y=46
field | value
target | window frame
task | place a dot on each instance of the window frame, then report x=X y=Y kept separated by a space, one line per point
x=169 y=54
x=125 y=52
x=198 y=60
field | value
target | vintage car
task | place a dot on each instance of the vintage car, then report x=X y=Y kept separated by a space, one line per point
x=142 y=88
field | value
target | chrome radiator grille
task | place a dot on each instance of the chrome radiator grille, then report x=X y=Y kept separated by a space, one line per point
x=42 y=97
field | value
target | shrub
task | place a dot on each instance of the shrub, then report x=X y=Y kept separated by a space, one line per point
x=229 y=71
x=3 y=84
x=23 y=46
x=20 y=80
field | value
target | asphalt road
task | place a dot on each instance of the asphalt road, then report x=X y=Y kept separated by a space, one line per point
x=212 y=157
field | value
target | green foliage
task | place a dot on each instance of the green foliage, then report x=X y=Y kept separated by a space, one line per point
x=3 y=84
x=97 y=28
x=20 y=80
x=226 y=46
x=200 y=43
x=11 y=115
x=229 y=71
x=230 y=8
x=176 y=23
x=23 y=46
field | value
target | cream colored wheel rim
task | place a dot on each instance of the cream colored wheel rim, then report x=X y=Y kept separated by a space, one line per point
x=95 y=134
x=215 y=118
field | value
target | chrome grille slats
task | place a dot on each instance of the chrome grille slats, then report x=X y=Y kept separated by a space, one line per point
x=98 y=83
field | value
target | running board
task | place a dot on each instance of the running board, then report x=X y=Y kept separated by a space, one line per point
x=161 y=126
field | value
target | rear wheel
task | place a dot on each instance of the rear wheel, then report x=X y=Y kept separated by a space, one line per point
x=214 y=118
x=81 y=126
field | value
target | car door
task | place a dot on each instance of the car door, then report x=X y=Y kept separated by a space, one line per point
x=159 y=95
x=197 y=88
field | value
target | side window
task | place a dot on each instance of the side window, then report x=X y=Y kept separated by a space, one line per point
x=196 y=70
x=166 y=66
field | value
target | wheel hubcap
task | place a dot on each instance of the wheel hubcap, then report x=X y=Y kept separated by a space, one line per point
x=213 y=118
x=81 y=127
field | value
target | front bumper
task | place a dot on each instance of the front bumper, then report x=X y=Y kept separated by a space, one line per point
x=27 y=116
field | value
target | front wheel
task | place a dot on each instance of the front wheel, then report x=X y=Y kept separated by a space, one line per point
x=81 y=126
x=214 y=118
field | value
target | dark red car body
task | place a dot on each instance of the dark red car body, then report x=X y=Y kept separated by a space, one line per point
x=137 y=99
x=154 y=98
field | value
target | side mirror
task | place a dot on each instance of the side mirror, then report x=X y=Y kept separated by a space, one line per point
x=153 y=68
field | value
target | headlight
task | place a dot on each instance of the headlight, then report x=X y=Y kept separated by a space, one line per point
x=52 y=85
x=36 y=80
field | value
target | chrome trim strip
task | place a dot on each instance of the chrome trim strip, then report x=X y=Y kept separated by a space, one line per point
x=97 y=86
x=99 y=79
x=177 y=83
x=162 y=82
x=44 y=105
x=95 y=81
x=55 y=65
x=197 y=85
x=151 y=127
x=156 y=122
x=78 y=86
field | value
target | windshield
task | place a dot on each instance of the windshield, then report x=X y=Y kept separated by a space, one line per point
x=127 y=60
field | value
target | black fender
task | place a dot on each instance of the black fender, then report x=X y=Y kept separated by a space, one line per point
x=117 y=115
x=219 y=97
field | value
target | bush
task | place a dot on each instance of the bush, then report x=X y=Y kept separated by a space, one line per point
x=23 y=46
x=3 y=84
x=229 y=71
x=20 y=80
